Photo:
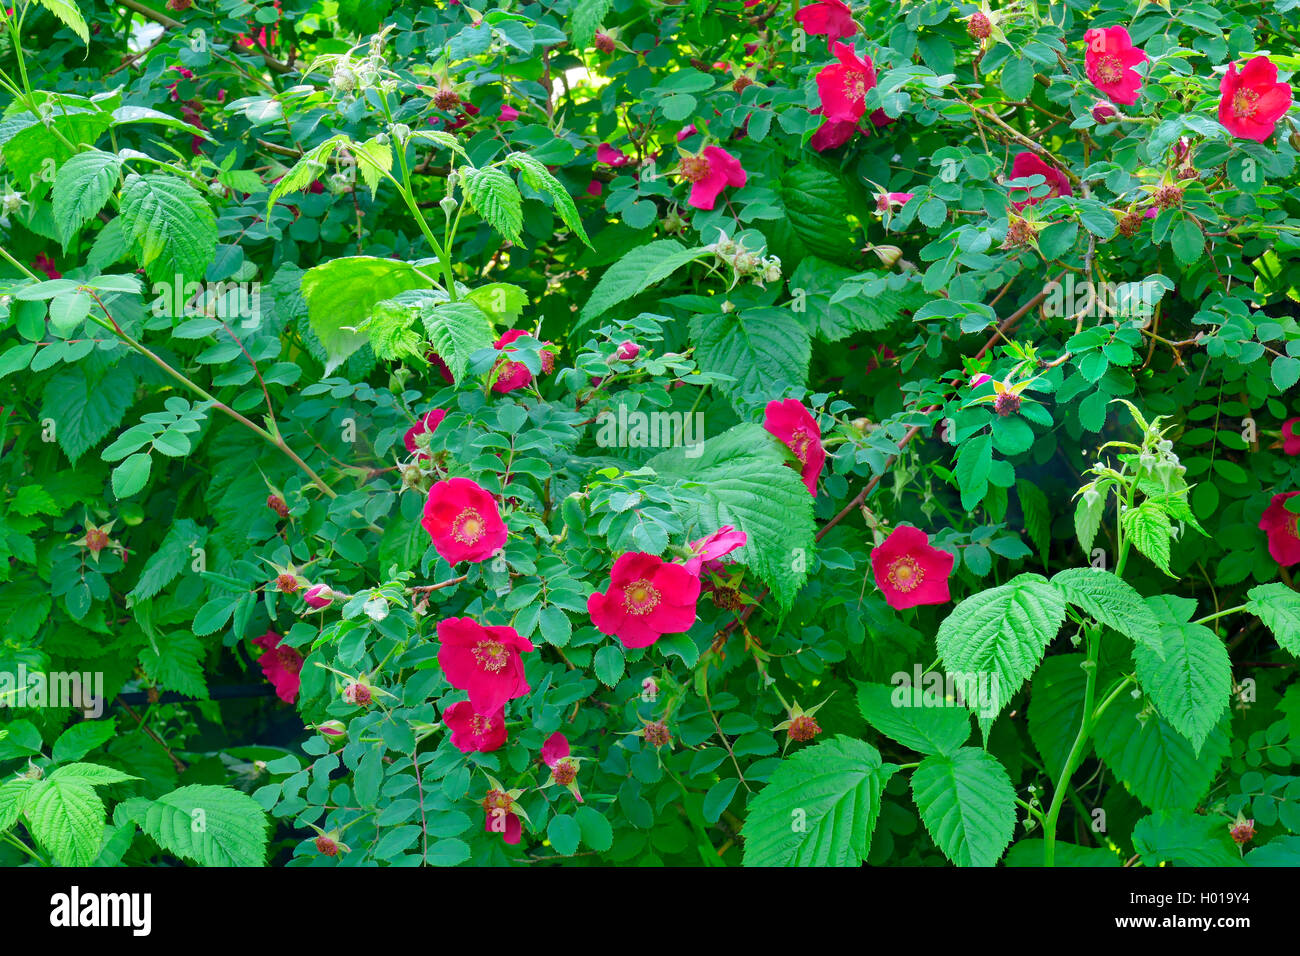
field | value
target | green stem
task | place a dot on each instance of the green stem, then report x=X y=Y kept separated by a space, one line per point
x=1076 y=753
x=1216 y=616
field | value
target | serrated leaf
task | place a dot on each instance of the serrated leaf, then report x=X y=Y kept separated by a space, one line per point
x=1087 y=518
x=996 y=638
x=634 y=273
x=585 y=18
x=1188 y=677
x=1153 y=760
x=740 y=478
x=1279 y=608
x=967 y=804
x=81 y=187
x=496 y=198
x=1148 y=529
x=172 y=225
x=85 y=410
x=1184 y=838
x=764 y=351
x=67 y=12
x=374 y=159
x=539 y=177
x=81 y=738
x=1038 y=517
x=131 y=475
x=457 y=330
x=177 y=664
x=169 y=558
x=925 y=725
x=342 y=293
x=819 y=808
x=66 y=818
x=212 y=826
x=1112 y=601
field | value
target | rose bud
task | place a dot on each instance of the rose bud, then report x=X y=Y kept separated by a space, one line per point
x=627 y=351
x=319 y=596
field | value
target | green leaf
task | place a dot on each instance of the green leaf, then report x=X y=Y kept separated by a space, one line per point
x=741 y=478
x=634 y=273
x=496 y=198
x=1188 y=242
x=967 y=804
x=1038 y=516
x=341 y=295
x=81 y=187
x=1030 y=853
x=1148 y=529
x=820 y=807
x=81 y=738
x=13 y=794
x=1087 y=518
x=974 y=462
x=718 y=798
x=1153 y=760
x=169 y=559
x=67 y=11
x=1188 y=677
x=212 y=826
x=374 y=159
x=998 y=636
x=926 y=725
x=172 y=224
x=764 y=350
x=307 y=169
x=1184 y=838
x=177 y=664
x=84 y=408
x=132 y=475
x=1109 y=600
x=585 y=18
x=608 y=664
x=1279 y=608
x=66 y=818
x=563 y=832
x=596 y=831
x=816 y=205
x=539 y=177
x=457 y=330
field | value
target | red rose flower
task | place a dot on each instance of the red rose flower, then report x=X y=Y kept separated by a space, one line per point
x=832 y=133
x=429 y=423
x=610 y=156
x=463 y=521
x=1253 y=100
x=564 y=769
x=909 y=571
x=1290 y=438
x=440 y=366
x=280 y=665
x=646 y=599
x=798 y=430
x=508 y=374
x=499 y=807
x=706 y=551
x=830 y=18
x=471 y=732
x=485 y=661
x=44 y=263
x=1027 y=164
x=1280 y=526
x=710 y=172
x=1109 y=63
x=843 y=86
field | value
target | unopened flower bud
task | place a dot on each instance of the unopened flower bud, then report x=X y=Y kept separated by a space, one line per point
x=627 y=351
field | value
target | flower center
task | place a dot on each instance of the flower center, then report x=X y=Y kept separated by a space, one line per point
x=481 y=725
x=799 y=443
x=565 y=772
x=1110 y=69
x=905 y=574
x=491 y=655
x=497 y=800
x=855 y=85
x=1244 y=103
x=467 y=528
x=640 y=597
x=694 y=168
x=1292 y=527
